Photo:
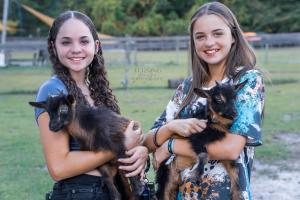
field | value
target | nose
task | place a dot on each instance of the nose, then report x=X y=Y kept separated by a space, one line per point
x=210 y=41
x=76 y=48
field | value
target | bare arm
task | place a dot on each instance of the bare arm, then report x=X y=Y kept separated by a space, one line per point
x=61 y=162
x=182 y=127
x=227 y=149
x=162 y=135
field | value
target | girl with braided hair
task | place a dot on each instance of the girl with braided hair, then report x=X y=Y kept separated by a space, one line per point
x=78 y=69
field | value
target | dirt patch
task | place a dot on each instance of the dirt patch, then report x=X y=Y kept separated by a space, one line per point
x=279 y=180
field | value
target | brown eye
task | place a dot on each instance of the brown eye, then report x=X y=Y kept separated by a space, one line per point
x=63 y=109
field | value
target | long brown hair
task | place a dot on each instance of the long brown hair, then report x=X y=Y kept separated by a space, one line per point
x=95 y=73
x=240 y=54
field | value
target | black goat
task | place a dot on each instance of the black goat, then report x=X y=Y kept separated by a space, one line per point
x=220 y=113
x=95 y=129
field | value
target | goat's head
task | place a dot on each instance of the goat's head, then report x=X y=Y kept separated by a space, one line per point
x=221 y=101
x=59 y=108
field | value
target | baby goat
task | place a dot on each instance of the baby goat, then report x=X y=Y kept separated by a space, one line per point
x=95 y=129
x=220 y=113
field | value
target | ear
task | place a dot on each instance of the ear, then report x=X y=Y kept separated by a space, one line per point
x=97 y=45
x=233 y=40
x=239 y=86
x=70 y=99
x=201 y=93
x=41 y=104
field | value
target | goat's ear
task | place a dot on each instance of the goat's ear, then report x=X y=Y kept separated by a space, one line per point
x=239 y=86
x=70 y=99
x=201 y=93
x=41 y=104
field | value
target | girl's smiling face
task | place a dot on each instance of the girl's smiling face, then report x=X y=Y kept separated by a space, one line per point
x=212 y=39
x=75 y=46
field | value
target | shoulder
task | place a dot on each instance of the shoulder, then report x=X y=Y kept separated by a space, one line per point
x=182 y=90
x=251 y=75
x=53 y=86
x=185 y=85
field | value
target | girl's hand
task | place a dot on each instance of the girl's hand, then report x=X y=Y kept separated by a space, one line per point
x=133 y=138
x=186 y=127
x=160 y=155
x=135 y=163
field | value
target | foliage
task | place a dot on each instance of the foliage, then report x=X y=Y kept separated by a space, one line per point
x=157 y=17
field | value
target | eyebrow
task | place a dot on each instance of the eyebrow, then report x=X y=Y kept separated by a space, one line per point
x=215 y=30
x=68 y=38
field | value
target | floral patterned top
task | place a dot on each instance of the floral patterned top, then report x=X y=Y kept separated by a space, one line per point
x=215 y=182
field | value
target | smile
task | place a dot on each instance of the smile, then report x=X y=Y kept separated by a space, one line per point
x=76 y=59
x=211 y=51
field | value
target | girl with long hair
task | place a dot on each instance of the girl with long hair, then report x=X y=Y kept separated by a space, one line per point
x=78 y=69
x=218 y=52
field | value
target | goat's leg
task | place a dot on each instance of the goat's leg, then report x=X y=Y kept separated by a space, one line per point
x=172 y=185
x=109 y=181
x=233 y=174
x=162 y=177
x=167 y=179
x=202 y=159
x=135 y=182
x=123 y=186
x=136 y=185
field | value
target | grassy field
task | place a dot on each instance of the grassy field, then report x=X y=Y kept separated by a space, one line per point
x=22 y=171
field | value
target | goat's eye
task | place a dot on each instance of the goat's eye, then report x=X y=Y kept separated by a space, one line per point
x=218 y=100
x=63 y=109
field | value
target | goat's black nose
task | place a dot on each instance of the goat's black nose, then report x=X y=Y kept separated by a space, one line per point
x=55 y=127
x=234 y=112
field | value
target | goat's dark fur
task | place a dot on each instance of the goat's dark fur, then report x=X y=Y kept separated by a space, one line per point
x=220 y=113
x=95 y=129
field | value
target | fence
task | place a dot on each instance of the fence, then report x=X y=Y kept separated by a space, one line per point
x=122 y=50
x=140 y=51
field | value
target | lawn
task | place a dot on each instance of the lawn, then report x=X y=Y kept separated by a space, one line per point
x=22 y=170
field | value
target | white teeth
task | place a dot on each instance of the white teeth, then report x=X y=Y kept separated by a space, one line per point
x=76 y=59
x=211 y=51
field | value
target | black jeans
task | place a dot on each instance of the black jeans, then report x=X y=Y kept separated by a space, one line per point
x=82 y=187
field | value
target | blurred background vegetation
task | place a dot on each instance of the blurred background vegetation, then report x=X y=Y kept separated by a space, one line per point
x=155 y=17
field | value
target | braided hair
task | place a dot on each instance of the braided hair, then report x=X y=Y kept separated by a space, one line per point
x=95 y=76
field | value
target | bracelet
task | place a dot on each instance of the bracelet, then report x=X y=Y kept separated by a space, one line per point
x=155 y=139
x=171 y=146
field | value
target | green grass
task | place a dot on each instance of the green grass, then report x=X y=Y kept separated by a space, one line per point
x=22 y=168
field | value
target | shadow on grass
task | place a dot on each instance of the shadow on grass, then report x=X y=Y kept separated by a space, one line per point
x=281 y=81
